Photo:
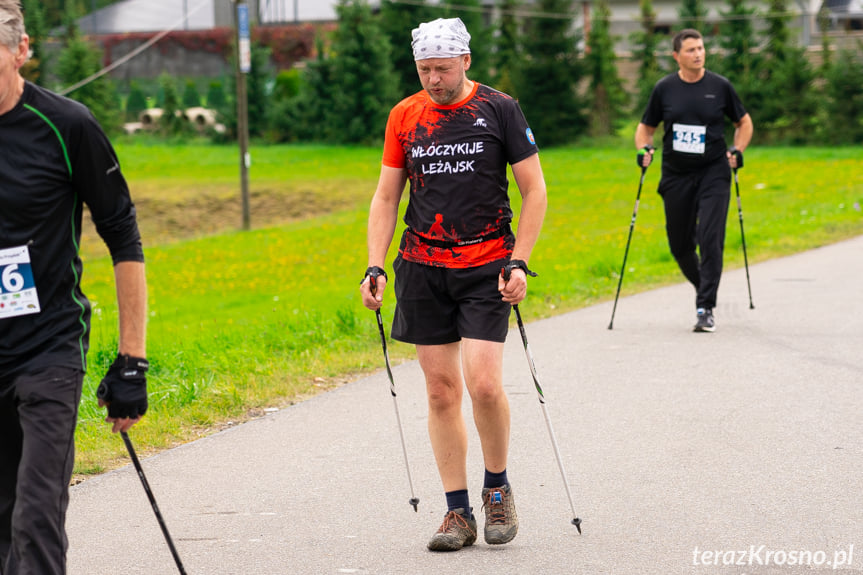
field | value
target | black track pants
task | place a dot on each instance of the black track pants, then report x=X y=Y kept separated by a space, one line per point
x=38 y=412
x=696 y=209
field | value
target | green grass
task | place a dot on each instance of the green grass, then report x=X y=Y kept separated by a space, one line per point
x=241 y=321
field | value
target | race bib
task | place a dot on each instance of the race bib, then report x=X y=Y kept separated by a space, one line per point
x=17 y=289
x=689 y=139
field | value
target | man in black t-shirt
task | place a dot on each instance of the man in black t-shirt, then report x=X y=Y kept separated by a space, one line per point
x=693 y=103
x=54 y=158
x=453 y=141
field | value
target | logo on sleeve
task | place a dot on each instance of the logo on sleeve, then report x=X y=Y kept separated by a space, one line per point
x=530 y=138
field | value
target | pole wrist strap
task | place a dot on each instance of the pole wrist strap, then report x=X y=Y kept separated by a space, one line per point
x=517 y=264
x=374 y=272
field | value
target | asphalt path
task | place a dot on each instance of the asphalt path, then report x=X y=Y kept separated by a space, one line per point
x=684 y=452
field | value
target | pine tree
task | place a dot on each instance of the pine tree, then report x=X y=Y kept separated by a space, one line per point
x=693 y=14
x=608 y=97
x=547 y=86
x=775 y=72
x=306 y=117
x=34 y=23
x=845 y=98
x=777 y=35
x=257 y=82
x=216 y=95
x=739 y=61
x=171 y=123
x=79 y=60
x=364 y=84
x=508 y=54
x=136 y=102
x=397 y=20
x=191 y=97
x=471 y=13
x=646 y=43
x=257 y=96
x=824 y=28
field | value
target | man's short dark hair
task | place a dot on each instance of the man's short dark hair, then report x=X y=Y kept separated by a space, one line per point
x=686 y=34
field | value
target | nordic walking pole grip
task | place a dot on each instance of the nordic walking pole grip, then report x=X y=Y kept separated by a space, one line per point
x=505 y=273
x=149 y=492
x=372 y=273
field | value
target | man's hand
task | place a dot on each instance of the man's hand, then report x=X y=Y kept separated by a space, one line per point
x=645 y=156
x=512 y=282
x=124 y=391
x=372 y=287
x=735 y=158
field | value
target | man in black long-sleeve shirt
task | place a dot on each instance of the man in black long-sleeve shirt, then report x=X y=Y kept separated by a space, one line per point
x=54 y=158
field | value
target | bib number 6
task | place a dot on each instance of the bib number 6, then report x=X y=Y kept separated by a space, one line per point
x=11 y=280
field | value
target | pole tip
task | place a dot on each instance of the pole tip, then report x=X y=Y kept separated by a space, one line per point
x=610 y=326
x=577 y=523
x=414 y=501
x=751 y=305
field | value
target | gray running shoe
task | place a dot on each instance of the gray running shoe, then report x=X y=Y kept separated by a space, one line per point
x=458 y=530
x=705 y=321
x=501 y=520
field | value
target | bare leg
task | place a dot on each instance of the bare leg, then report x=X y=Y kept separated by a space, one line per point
x=483 y=369
x=447 y=431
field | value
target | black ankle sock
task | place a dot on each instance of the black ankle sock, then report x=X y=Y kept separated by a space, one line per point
x=458 y=500
x=495 y=479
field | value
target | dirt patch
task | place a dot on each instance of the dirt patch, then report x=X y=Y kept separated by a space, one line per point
x=167 y=220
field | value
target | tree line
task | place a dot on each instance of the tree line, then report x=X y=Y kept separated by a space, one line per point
x=569 y=86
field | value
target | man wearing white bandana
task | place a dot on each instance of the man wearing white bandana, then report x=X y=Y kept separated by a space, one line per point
x=460 y=267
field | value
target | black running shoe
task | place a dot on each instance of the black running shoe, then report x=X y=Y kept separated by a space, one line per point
x=457 y=530
x=705 y=321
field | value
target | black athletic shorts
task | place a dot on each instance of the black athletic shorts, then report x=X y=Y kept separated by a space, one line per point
x=436 y=306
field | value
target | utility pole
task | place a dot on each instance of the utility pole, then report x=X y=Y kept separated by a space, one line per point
x=244 y=66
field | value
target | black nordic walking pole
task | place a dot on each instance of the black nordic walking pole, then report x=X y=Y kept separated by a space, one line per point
x=628 y=239
x=152 y=499
x=373 y=285
x=742 y=236
x=575 y=519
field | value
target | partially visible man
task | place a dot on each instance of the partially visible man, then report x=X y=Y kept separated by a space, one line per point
x=54 y=158
x=693 y=103
x=453 y=141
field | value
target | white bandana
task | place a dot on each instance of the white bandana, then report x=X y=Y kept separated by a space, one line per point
x=441 y=38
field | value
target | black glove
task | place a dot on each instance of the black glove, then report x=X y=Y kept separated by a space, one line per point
x=640 y=155
x=738 y=154
x=124 y=387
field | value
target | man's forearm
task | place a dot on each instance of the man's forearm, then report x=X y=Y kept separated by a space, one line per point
x=382 y=225
x=743 y=133
x=643 y=136
x=132 y=307
x=529 y=224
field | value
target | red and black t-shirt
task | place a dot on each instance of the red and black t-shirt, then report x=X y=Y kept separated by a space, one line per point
x=458 y=214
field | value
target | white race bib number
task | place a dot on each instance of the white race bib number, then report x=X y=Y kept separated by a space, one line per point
x=17 y=289
x=689 y=139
